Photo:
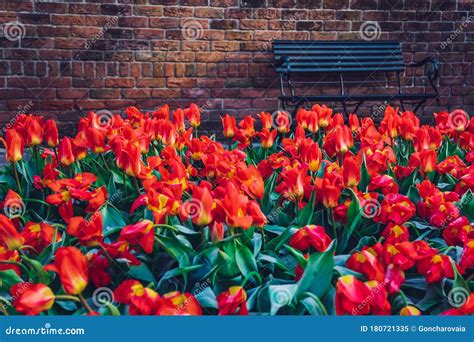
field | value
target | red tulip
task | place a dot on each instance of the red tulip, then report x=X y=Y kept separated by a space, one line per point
x=435 y=268
x=367 y=264
x=350 y=295
x=232 y=302
x=310 y=235
x=395 y=208
x=71 y=265
x=9 y=236
x=140 y=233
x=31 y=299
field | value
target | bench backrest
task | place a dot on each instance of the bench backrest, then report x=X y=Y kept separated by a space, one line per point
x=337 y=56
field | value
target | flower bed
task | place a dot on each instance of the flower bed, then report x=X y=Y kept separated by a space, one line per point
x=141 y=216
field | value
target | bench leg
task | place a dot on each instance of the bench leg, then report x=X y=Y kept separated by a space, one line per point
x=345 y=108
x=418 y=105
x=402 y=105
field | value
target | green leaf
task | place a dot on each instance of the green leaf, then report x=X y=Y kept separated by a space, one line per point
x=9 y=278
x=298 y=256
x=364 y=175
x=141 y=272
x=112 y=218
x=185 y=230
x=306 y=214
x=413 y=194
x=37 y=273
x=245 y=260
x=206 y=298
x=266 y=200
x=313 y=304
x=318 y=273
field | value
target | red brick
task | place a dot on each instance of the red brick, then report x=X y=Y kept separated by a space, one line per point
x=72 y=93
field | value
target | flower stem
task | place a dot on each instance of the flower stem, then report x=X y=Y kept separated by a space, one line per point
x=112 y=260
x=17 y=179
x=137 y=187
x=84 y=303
x=3 y=309
x=67 y=297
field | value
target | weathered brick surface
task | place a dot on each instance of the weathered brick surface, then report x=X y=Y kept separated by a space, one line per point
x=78 y=56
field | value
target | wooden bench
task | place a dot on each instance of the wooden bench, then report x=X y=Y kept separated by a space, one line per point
x=342 y=58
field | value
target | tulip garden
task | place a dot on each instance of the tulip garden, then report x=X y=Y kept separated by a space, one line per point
x=319 y=214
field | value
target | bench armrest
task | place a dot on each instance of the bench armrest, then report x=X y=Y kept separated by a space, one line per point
x=433 y=72
x=434 y=66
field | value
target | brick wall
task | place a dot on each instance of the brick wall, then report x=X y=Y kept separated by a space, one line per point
x=77 y=56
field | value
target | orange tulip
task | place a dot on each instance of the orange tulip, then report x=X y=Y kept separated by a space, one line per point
x=329 y=191
x=9 y=236
x=39 y=235
x=311 y=154
x=51 y=133
x=199 y=207
x=234 y=205
x=267 y=137
x=217 y=231
x=426 y=160
x=89 y=233
x=71 y=265
x=293 y=185
x=142 y=300
x=283 y=122
x=179 y=304
x=324 y=115
x=129 y=159
x=33 y=132
x=31 y=299
x=14 y=145
x=193 y=114
x=178 y=120
x=65 y=152
x=10 y=256
x=354 y=123
x=410 y=310
x=141 y=233
x=350 y=172
x=266 y=119
x=229 y=125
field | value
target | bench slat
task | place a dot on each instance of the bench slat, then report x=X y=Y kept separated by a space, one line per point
x=334 y=47
x=336 y=69
x=293 y=64
x=337 y=52
x=337 y=58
